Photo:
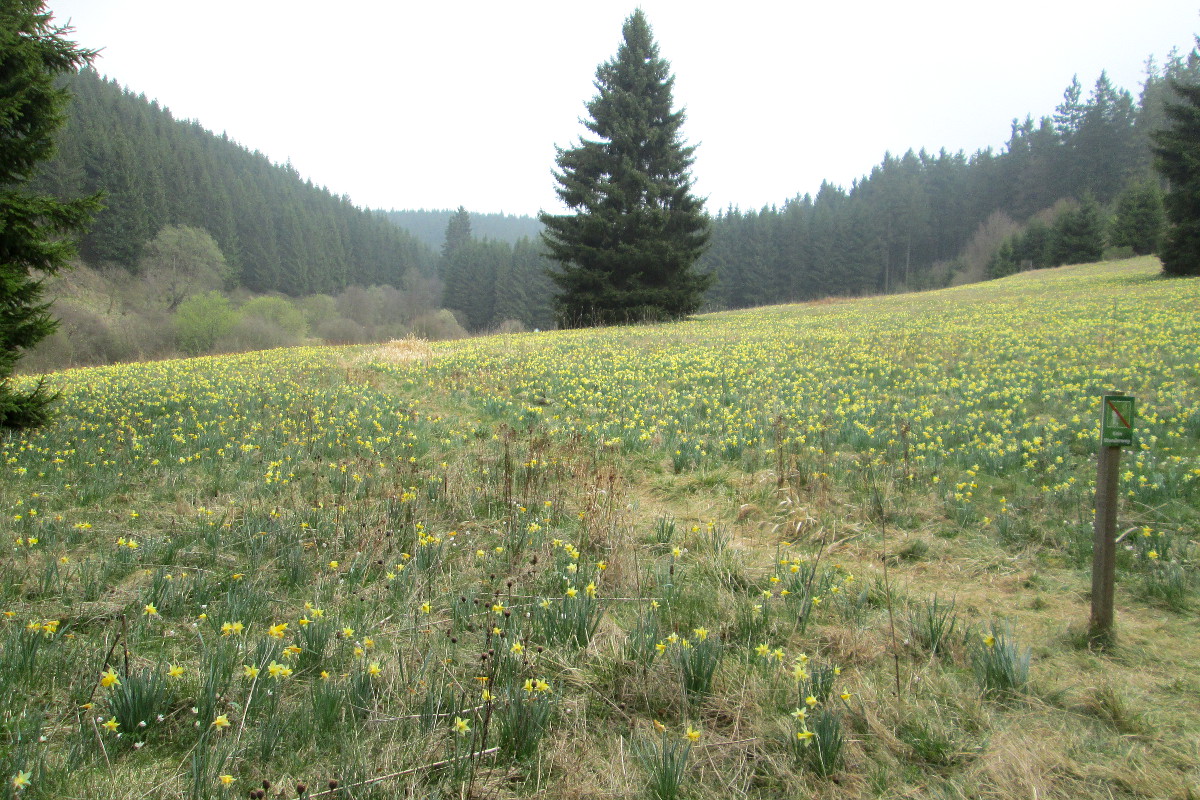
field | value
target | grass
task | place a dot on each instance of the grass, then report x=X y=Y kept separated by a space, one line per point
x=471 y=573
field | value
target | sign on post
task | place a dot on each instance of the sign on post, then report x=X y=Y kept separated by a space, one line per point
x=1116 y=431
x=1116 y=421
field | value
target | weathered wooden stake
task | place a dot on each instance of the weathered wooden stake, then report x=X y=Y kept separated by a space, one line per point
x=1117 y=414
x=1104 y=547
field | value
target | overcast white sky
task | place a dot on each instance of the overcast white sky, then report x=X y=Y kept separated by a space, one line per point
x=438 y=104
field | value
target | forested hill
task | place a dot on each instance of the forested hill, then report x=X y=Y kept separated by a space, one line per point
x=1054 y=194
x=279 y=232
x=430 y=225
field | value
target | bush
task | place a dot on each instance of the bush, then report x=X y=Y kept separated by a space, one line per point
x=511 y=326
x=83 y=339
x=317 y=308
x=440 y=324
x=358 y=304
x=201 y=321
x=254 y=333
x=278 y=312
x=987 y=239
x=339 y=330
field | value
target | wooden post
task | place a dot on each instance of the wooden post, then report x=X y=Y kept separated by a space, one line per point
x=1104 y=547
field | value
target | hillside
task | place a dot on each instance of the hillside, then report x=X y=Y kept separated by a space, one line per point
x=279 y=232
x=916 y=220
x=430 y=226
x=591 y=563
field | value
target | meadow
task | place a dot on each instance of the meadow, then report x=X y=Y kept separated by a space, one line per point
x=839 y=549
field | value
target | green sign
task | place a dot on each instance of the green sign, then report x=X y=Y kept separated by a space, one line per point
x=1116 y=421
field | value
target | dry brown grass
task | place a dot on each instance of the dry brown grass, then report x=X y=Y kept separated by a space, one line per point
x=401 y=351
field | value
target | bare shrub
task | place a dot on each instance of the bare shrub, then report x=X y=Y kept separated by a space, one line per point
x=993 y=232
x=358 y=304
x=339 y=330
x=255 y=333
x=438 y=325
x=510 y=326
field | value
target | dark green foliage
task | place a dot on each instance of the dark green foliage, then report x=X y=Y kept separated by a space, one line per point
x=1004 y=261
x=1097 y=140
x=490 y=282
x=34 y=228
x=1078 y=235
x=458 y=233
x=1033 y=249
x=1177 y=148
x=628 y=252
x=470 y=275
x=1140 y=219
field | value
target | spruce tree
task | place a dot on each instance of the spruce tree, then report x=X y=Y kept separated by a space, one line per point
x=33 y=227
x=458 y=232
x=1177 y=149
x=1078 y=234
x=628 y=251
x=1140 y=218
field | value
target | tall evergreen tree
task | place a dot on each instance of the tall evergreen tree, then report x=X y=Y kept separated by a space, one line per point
x=1177 y=148
x=1140 y=218
x=1078 y=234
x=33 y=227
x=458 y=232
x=629 y=250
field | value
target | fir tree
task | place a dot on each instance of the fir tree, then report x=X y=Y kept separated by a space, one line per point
x=1139 y=220
x=629 y=250
x=458 y=232
x=1177 y=148
x=1078 y=234
x=33 y=227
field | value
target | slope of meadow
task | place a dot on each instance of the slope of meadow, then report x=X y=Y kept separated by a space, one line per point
x=839 y=549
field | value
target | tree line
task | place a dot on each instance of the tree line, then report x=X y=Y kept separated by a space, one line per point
x=1060 y=190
